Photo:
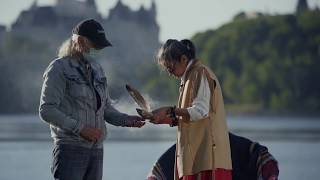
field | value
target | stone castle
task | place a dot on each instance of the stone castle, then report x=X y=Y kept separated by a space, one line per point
x=134 y=34
x=27 y=47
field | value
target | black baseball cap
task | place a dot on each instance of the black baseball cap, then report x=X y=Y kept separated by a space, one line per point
x=92 y=30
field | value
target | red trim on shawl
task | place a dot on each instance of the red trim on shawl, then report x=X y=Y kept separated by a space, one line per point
x=219 y=174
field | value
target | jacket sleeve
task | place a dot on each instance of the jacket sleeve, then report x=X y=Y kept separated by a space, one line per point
x=112 y=115
x=52 y=92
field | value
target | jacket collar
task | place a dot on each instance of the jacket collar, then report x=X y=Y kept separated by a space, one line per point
x=190 y=66
x=187 y=69
x=74 y=62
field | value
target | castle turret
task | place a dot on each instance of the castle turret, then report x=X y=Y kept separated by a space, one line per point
x=153 y=10
x=302 y=6
x=2 y=33
x=120 y=11
x=91 y=3
x=74 y=8
x=34 y=5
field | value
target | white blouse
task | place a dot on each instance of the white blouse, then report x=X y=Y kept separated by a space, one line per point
x=200 y=105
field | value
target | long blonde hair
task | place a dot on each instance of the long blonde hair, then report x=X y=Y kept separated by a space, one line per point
x=75 y=46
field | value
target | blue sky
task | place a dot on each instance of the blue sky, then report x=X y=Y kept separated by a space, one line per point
x=177 y=18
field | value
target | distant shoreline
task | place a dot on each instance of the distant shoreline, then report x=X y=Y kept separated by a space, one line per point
x=232 y=113
x=274 y=114
x=255 y=111
x=29 y=127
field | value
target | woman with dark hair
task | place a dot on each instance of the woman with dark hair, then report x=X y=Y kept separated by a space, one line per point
x=202 y=149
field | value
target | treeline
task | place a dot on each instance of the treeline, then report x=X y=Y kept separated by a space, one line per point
x=272 y=62
x=266 y=63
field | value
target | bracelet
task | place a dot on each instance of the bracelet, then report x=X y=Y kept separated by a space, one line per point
x=173 y=116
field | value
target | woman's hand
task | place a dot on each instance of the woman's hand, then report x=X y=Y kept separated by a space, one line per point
x=161 y=116
x=135 y=121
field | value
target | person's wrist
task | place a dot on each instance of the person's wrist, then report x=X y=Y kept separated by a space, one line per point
x=126 y=120
x=173 y=116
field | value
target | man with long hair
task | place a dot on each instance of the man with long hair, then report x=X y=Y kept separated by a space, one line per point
x=75 y=102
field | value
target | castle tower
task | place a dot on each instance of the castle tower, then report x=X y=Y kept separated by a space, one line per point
x=91 y=3
x=153 y=9
x=302 y=6
x=34 y=4
x=120 y=11
x=2 y=33
x=84 y=9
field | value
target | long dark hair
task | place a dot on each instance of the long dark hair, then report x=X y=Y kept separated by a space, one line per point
x=172 y=50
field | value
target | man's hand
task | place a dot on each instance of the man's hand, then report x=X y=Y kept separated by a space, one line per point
x=135 y=121
x=161 y=116
x=91 y=134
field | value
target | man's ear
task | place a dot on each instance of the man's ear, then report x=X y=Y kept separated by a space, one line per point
x=83 y=43
x=81 y=40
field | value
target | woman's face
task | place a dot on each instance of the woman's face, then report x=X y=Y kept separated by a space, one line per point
x=178 y=68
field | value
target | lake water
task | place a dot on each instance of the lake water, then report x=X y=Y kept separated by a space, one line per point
x=25 y=149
